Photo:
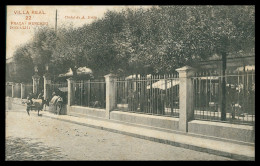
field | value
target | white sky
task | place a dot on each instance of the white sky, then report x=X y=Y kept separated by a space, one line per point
x=16 y=37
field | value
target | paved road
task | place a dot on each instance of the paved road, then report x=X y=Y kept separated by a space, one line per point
x=42 y=138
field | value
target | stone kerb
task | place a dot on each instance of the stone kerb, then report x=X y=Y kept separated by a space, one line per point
x=186 y=97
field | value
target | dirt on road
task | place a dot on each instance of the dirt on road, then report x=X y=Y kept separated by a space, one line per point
x=42 y=138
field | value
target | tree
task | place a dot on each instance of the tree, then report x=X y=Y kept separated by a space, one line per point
x=68 y=52
x=99 y=50
x=156 y=40
x=42 y=48
x=23 y=64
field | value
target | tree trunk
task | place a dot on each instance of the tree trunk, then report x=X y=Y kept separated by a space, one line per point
x=223 y=84
x=74 y=72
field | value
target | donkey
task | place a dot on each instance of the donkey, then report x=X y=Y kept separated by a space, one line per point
x=36 y=104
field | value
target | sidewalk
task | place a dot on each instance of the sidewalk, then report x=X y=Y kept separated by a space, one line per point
x=222 y=148
x=231 y=149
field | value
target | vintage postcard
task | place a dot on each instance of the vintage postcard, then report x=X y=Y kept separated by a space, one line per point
x=130 y=83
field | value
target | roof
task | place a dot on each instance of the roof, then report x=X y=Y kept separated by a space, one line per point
x=247 y=68
x=161 y=84
x=134 y=76
x=80 y=71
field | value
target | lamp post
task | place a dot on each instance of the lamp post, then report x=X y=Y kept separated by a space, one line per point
x=46 y=82
x=36 y=79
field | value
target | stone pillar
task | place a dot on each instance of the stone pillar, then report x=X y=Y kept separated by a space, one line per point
x=70 y=91
x=110 y=93
x=12 y=89
x=22 y=91
x=186 y=112
x=36 y=79
x=46 y=80
x=17 y=91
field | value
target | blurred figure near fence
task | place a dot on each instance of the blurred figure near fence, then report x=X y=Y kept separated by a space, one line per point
x=56 y=103
x=40 y=96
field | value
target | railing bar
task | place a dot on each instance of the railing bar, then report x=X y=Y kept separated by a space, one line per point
x=206 y=105
x=247 y=94
x=151 y=95
x=243 y=89
x=253 y=104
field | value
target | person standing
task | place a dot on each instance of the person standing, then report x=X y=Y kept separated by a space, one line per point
x=29 y=102
x=40 y=96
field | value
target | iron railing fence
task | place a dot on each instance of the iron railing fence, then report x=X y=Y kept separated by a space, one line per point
x=90 y=93
x=239 y=99
x=149 y=94
x=28 y=88
x=60 y=88
x=8 y=90
x=17 y=90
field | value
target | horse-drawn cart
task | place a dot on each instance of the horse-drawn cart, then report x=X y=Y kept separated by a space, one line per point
x=35 y=104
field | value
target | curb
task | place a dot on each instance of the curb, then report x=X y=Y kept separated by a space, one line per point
x=173 y=143
x=164 y=141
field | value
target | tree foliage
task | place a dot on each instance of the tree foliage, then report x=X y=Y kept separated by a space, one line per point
x=23 y=65
x=154 y=40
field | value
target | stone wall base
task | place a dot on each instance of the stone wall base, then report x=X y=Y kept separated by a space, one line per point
x=236 y=132
x=85 y=111
x=144 y=119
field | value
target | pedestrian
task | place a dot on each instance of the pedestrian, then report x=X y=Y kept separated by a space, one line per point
x=40 y=96
x=29 y=98
x=29 y=102
x=57 y=102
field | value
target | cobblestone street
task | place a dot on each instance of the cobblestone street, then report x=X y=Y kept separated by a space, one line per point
x=42 y=138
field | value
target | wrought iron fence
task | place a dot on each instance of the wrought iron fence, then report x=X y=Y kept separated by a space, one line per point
x=90 y=93
x=17 y=90
x=239 y=96
x=28 y=88
x=8 y=90
x=149 y=94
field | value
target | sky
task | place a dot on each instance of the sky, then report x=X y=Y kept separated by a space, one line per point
x=19 y=18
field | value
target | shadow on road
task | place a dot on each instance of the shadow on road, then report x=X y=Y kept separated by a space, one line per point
x=25 y=149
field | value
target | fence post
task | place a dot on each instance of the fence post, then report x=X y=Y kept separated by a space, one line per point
x=12 y=89
x=110 y=93
x=70 y=91
x=46 y=80
x=15 y=90
x=186 y=112
x=36 y=79
x=22 y=91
